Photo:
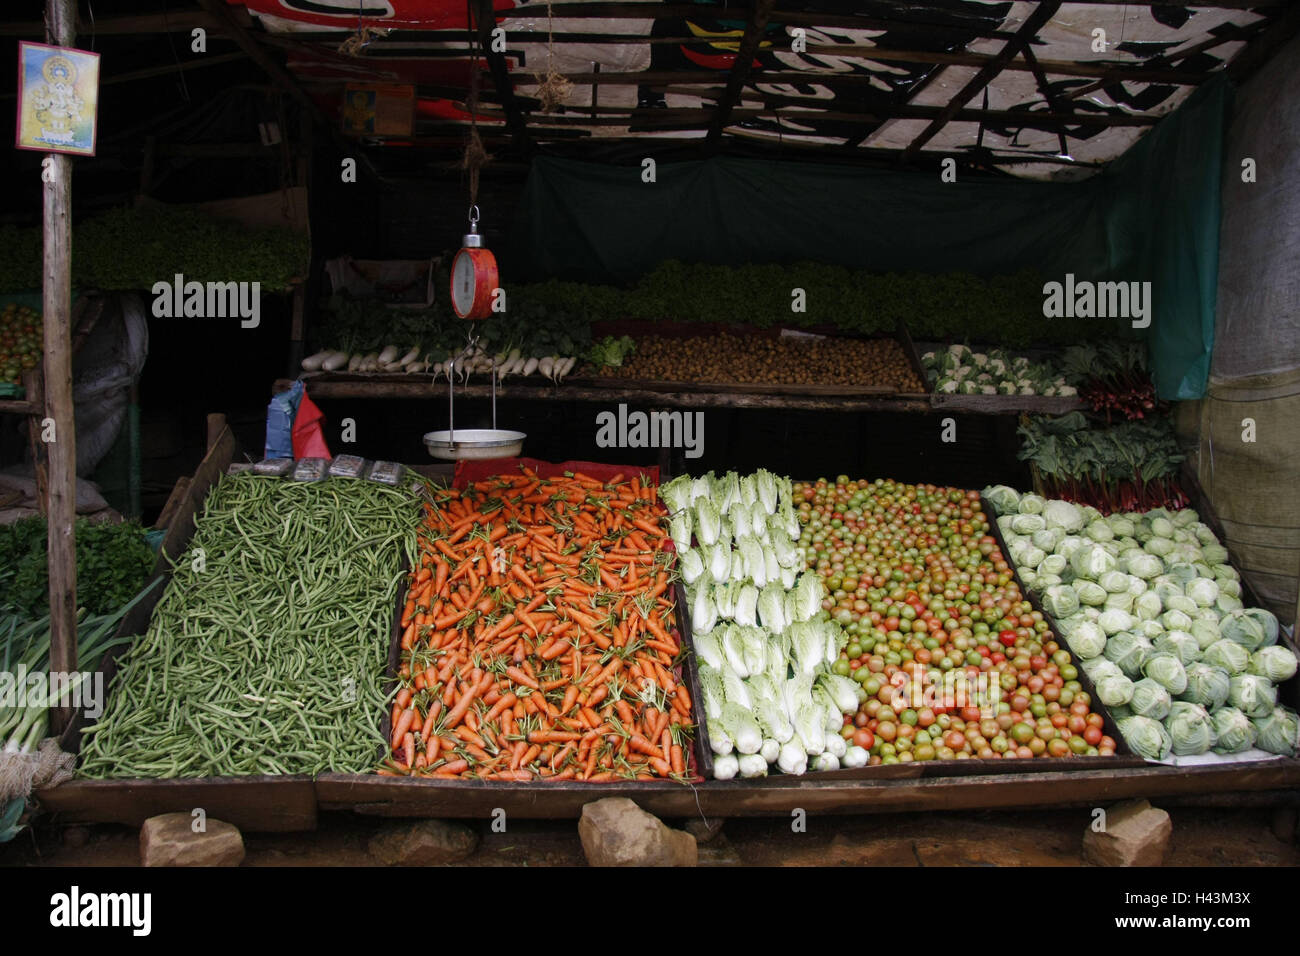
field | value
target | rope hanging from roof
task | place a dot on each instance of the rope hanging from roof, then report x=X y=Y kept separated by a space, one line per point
x=553 y=88
x=476 y=155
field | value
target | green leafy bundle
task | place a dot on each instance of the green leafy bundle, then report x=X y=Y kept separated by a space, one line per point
x=114 y=562
x=131 y=249
x=1132 y=466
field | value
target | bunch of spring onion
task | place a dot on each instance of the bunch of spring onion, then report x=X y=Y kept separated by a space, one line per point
x=26 y=694
x=764 y=642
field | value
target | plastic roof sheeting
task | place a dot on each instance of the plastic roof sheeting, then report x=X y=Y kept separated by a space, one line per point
x=818 y=96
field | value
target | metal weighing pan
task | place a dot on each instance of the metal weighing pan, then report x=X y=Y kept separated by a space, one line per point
x=472 y=444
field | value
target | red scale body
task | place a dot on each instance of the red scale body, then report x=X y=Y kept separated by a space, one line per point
x=473 y=276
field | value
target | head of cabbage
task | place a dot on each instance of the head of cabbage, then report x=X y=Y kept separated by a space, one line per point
x=1203 y=591
x=1205 y=631
x=1248 y=629
x=1143 y=565
x=1278 y=732
x=1206 y=685
x=1251 y=694
x=1233 y=730
x=1089 y=592
x=1147 y=606
x=1114 y=690
x=1179 y=643
x=1113 y=620
x=1060 y=601
x=1229 y=655
x=1063 y=515
x=1087 y=641
x=1150 y=699
x=1128 y=651
x=1275 y=662
x=1190 y=729
x=1167 y=671
x=1091 y=561
x=1147 y=738
x=1003 y=499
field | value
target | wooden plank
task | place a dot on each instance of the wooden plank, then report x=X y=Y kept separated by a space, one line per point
x=689 y=118
x=261 y=803
x=324 y=388
x=1006 y=404
x=179 y=491
x=778 y=795
x=174 y=21
x=1025 y=35
x=687 y=11
x=216 y=425
x=755 y=26
x=60 y=30
x=1106 y=71
x=515 y=122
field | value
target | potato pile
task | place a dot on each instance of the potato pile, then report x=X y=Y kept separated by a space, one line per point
x=758 y=360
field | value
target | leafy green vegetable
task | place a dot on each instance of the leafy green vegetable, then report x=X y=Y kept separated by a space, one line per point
x=114 y=562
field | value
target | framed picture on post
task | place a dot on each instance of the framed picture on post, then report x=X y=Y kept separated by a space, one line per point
x=58 y=96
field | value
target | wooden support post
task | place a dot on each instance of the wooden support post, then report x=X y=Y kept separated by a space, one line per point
x=60 y=24
x=216 y=425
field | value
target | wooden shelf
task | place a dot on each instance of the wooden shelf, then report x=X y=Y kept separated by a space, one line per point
x=673 y=394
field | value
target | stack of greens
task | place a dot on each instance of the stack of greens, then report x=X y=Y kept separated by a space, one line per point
x=764 y=642
x=1003 y=309
x=131 y=249
x=113 y=563
x=1150 y=604
x=1132 y=466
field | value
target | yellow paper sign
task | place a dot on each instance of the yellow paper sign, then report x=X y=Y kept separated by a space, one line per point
x=58 y=94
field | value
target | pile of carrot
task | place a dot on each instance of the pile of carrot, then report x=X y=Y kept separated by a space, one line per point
x=538 y=640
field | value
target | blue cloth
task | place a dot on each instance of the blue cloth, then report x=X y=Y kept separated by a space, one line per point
x=279 y=422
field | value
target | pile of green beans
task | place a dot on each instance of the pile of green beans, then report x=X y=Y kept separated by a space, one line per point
x=267 y=653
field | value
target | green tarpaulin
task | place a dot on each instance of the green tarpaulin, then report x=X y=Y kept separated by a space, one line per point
x=1153 y=215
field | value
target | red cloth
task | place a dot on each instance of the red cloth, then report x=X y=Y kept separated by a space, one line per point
x=308 y=438
x=471 y=471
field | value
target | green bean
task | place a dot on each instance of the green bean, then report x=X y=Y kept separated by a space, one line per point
x=298 y=595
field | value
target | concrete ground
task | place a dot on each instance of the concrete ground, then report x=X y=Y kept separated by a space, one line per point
x=1201 y=837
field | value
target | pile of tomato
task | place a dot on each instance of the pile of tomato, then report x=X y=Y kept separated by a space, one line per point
x=20 y=342
x=955 y=663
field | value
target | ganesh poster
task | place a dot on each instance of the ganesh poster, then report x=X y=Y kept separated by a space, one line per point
x=58 y=92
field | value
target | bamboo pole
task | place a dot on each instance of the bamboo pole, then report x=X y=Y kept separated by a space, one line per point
x=60 y=30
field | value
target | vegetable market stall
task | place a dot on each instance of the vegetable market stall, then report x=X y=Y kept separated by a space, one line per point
x=262 y=801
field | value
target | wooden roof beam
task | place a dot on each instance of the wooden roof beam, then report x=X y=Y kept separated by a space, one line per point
x=500 y=70
x=1024 y=36
x=754 y=30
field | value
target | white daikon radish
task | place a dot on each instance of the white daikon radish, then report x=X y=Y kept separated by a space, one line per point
x=335 y=361
x=393 y=367
x=545 y=366
x=354 y=363
x=416 y=367
x=312 y=363
x=369 y=363
x=448 y=367
x=388 y=355
x=566 y=366
x=531 y=366
x=410 y=356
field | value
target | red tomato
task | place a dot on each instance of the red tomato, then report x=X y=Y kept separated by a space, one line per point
x=864 y=739
x=1008 y=638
